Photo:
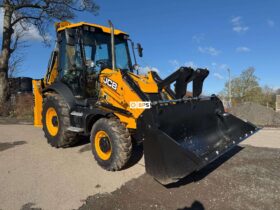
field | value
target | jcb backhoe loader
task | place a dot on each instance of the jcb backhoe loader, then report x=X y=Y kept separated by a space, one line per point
x=91 y=87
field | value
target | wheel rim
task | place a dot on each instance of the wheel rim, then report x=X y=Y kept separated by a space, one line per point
x=102 y=145
x=52 y=121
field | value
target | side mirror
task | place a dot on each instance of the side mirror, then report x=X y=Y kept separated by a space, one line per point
x=140 y=50
x=70 y=36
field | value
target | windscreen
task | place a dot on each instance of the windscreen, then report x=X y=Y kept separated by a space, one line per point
x=97 y=48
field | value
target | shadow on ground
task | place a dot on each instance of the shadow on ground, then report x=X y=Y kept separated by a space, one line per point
x=83 y=141
x=196 y=205
x=244 y=178
x=137 y=154
x=199 y=175
x=137 y=151
x=9 y=145
x=28 y=206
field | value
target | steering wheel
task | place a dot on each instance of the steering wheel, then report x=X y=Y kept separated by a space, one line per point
x=104 y=63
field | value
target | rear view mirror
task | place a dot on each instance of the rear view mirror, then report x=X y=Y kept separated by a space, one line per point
x=70 y=36
x=140 y=50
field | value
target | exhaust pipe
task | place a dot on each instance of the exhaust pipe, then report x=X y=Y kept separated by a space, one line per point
x=112 y=44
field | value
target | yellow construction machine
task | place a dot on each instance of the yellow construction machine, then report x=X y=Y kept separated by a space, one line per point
x=92 y=87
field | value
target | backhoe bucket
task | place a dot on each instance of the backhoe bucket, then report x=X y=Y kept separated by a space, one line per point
x=182 y=136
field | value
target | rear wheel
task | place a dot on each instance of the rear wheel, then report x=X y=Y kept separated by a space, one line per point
x=56 y=120
x=111 y=144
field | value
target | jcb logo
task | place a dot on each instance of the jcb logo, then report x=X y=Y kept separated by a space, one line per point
x=110 y=83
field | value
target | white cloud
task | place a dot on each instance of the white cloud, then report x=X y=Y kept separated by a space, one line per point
x=198 y=38
x=270 y=23
x=174 y=63
x=218 y=76
x=32 y=34
x=243 y=49
x=240 y=29
x=190 y=64
x=223 y=66
x=238 y=25
x=146 y=69
x=236 y=20
x=209 y=50
x=219 y=67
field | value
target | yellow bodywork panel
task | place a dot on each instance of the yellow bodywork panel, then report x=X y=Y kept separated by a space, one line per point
x=64 y=25
x=53 y=75
x=38 y=102
x=120 y=93
x=145 y=82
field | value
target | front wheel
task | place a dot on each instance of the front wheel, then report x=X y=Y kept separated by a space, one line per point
x=56 y=120
x=111 y=144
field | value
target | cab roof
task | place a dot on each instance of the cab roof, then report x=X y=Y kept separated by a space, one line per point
x=64 y=25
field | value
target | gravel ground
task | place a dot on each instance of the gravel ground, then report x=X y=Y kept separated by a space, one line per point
x=247 y=180
x=257 y=114
x=36 y=176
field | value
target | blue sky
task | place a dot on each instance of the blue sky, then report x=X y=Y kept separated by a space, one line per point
x=216 y=34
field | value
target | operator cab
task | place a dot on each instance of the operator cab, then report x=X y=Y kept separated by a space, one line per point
x=84 y=52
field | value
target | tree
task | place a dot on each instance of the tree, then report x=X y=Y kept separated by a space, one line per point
x=19 y=15
x=245 y=87
x=268 y=97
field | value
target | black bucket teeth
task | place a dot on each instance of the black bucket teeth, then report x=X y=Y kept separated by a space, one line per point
x=182 y=136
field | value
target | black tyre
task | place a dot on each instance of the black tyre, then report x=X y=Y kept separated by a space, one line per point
x=56 y=120
x=110 y=143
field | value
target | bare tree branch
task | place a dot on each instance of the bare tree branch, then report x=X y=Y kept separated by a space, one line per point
x=15 y=65
x=20 y=15
x=24 y=17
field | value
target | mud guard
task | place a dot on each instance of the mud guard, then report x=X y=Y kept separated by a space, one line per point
x=183 y=136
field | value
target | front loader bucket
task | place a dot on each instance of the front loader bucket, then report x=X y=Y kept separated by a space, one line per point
x=183 y=136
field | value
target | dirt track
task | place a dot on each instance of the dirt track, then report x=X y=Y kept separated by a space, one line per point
x=36 y=176
x=248 y=180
